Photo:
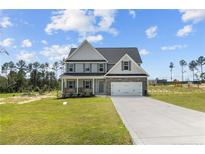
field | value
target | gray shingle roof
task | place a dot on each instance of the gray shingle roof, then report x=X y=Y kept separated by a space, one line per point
x=113 y=55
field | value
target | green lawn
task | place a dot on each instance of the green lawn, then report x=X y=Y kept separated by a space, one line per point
x=82 y=121
x=5 y=95
x=193 y=98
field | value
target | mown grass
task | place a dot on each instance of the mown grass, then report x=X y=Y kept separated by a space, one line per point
x=82 y=121
x=193 y=98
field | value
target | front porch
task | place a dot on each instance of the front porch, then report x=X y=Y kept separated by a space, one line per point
x=82 y=87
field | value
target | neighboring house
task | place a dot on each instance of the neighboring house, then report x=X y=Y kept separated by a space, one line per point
x=106 y=71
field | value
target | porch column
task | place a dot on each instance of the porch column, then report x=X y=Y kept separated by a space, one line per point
x=77 y=85
x=62 y=80
x=93 y=86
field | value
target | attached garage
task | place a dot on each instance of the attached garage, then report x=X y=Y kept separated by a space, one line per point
x=126 y=88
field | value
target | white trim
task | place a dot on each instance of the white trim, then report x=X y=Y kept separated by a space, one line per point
x=93 y=86
x=100 y=77
x=131 y=60
x=82 y=77
x=84 y=42
x=77 y=85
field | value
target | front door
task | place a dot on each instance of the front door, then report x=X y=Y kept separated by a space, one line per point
x=101 y=86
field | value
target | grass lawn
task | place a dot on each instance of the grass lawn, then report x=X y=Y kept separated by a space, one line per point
x=193 y=98
x=5 y=95
x=47 y=121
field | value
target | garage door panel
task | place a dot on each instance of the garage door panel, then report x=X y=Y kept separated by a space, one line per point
x=126 y=88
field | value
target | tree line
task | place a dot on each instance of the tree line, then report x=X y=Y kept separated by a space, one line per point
x=20 y=76
x=195 y=66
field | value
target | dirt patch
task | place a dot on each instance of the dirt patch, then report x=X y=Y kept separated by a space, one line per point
x=23 y=99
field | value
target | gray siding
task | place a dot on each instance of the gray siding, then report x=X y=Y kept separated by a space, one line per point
x=94 y=68
x=86 y=52
x=79 y=68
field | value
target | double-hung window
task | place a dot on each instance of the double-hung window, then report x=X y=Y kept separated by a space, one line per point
x=70 y=67
x=71 y=84
x=87 y=68
x=87 y=84
x=101 y=68
x=126 y=65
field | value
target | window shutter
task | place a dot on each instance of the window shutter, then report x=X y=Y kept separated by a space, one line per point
x=129 y=65
x=122 y=66
x=67 y=69
x=90 y=84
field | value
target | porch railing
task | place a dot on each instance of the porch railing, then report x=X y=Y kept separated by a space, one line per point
x=81 y=91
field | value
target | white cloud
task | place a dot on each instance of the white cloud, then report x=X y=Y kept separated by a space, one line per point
x=193 y=15
x=144 y=52
x=26 y=43
x=25 y=55
x=185 y=31
x=57 y=52
x=132 y=13
x=7 y=42
x=107 y=18
x=95 y=38
x=71 y=20
x=151 y=32
x=173 y=47
x=44 y=42
x=5 y=22
x=82 y=21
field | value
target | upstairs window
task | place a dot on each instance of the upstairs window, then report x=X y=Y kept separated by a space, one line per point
x=101 y=68
x=87 y=68
x=70 y=67
x=126 y=65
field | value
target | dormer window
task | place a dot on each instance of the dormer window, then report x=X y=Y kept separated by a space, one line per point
x=71 y=68
x=101 y=67
x=126 y=65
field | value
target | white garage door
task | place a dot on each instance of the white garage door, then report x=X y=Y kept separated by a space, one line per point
x=126 y=88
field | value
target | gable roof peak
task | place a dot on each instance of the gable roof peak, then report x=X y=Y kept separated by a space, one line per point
x=85 y=42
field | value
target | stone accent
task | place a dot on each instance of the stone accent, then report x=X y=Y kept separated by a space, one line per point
x=134 y=79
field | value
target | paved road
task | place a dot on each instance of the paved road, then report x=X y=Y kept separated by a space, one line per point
x=150 y=121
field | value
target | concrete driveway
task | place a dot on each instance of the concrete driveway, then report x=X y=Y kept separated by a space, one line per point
x=150 y=121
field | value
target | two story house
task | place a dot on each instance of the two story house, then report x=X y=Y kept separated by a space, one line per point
x=106 y=71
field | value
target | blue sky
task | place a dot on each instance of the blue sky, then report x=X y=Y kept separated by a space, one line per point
x=161 y=36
